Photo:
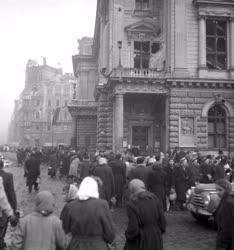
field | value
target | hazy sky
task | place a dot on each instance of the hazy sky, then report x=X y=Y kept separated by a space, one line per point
x=31 y=29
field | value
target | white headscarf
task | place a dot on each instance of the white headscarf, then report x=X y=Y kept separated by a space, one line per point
x=88 y=189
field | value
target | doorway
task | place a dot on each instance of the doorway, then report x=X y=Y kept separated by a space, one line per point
x=140 y=137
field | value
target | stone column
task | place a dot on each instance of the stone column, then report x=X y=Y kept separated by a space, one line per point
x=74 y=132
x=166 y=122
x=232 y=48
x=180 y=39
x=119 y=121
x=202 y=44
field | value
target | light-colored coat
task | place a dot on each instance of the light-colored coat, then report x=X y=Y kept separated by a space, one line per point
x=38 y=232
x=4 y=204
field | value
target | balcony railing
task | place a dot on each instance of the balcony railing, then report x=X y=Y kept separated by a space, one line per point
x=137 y=73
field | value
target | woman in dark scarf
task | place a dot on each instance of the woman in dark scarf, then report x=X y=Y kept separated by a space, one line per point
x=41 y=229
x=225 y=216
x=146 y=221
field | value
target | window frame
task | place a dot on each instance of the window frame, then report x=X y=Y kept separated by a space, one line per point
x=141 y=5
x=215 y=37
x=215 y=134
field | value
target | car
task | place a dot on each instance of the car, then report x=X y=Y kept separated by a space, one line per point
x=198 y=199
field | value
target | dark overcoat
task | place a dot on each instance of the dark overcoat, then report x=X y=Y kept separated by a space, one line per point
x=156 y=184
x=225 y=221
x=89 y=222
x=146 y=223
x=119 y=173
x=139 y=172
x=182 y=180
x=32 y=169
x=106 y=175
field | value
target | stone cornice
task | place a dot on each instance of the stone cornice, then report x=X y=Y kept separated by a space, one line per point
x=200 y=83
x=217 y=3
x=84 y=111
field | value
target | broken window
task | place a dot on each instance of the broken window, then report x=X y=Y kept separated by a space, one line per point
x=216 y=44
x=217 y=127
x=142 y=5
x=155 y=47
x=142 y=55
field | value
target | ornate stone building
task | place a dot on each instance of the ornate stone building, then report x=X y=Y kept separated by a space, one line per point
x=47 y=91
x=162 y=74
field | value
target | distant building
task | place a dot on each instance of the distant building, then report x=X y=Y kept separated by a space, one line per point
x=41 y=116
x=162 y=73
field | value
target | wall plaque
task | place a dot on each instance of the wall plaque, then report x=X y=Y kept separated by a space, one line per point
x=187 y=131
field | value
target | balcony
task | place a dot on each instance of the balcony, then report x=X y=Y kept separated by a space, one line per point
x=138 y=73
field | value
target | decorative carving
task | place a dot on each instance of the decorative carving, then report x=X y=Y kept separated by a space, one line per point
x=187 y=131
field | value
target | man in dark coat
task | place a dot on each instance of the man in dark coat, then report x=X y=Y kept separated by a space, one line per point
x=8 y=184
x=32 y=171
x=119 y=172
x=103 y=171
x=85 y=167
x=140 y=171
x=182 y=180
x=156 y=182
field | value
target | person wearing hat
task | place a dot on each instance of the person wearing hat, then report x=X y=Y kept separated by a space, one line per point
x=146 y=220
x=224 y=216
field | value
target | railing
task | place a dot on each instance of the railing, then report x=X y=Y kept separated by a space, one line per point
x=138 y=73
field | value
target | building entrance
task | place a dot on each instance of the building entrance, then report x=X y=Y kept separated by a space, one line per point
x=140 y=137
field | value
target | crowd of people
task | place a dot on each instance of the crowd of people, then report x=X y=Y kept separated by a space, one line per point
x=146 y=186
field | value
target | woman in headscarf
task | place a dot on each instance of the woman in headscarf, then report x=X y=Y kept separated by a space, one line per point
x=41 y=229
x=88 y=219
x=146 y=220
x=225 y=216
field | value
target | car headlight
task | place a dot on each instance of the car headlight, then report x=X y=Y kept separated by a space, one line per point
x=188 y=193
x=206 y=199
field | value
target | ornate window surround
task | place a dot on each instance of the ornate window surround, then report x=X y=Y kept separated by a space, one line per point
x=220 y=9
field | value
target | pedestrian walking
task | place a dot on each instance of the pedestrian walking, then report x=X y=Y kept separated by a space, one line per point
x=146 y=220
x=32 y=172
x=88 y=219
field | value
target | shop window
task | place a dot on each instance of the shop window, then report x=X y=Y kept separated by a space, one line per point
x=141 y=55
x=142 y=5
x=217 y=127
x=216 y=44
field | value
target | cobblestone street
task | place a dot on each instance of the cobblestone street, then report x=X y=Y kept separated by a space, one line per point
x=183 y=232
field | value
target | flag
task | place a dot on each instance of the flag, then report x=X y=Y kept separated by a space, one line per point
x=55 y=116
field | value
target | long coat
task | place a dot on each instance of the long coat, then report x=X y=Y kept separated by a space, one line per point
x=225 y=221
x=119 y=173
x=156 y=184
x=38 y=232
x=139 y=172
x=32 y=169
x=182 y=180
x=146 y=223
x=91 y=231
x=106 y=175
x=8 y=184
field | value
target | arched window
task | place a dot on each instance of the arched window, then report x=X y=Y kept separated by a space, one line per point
x=217 y=127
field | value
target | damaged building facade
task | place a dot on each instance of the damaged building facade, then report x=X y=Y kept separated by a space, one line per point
x=160 y=75
x=40 y=116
